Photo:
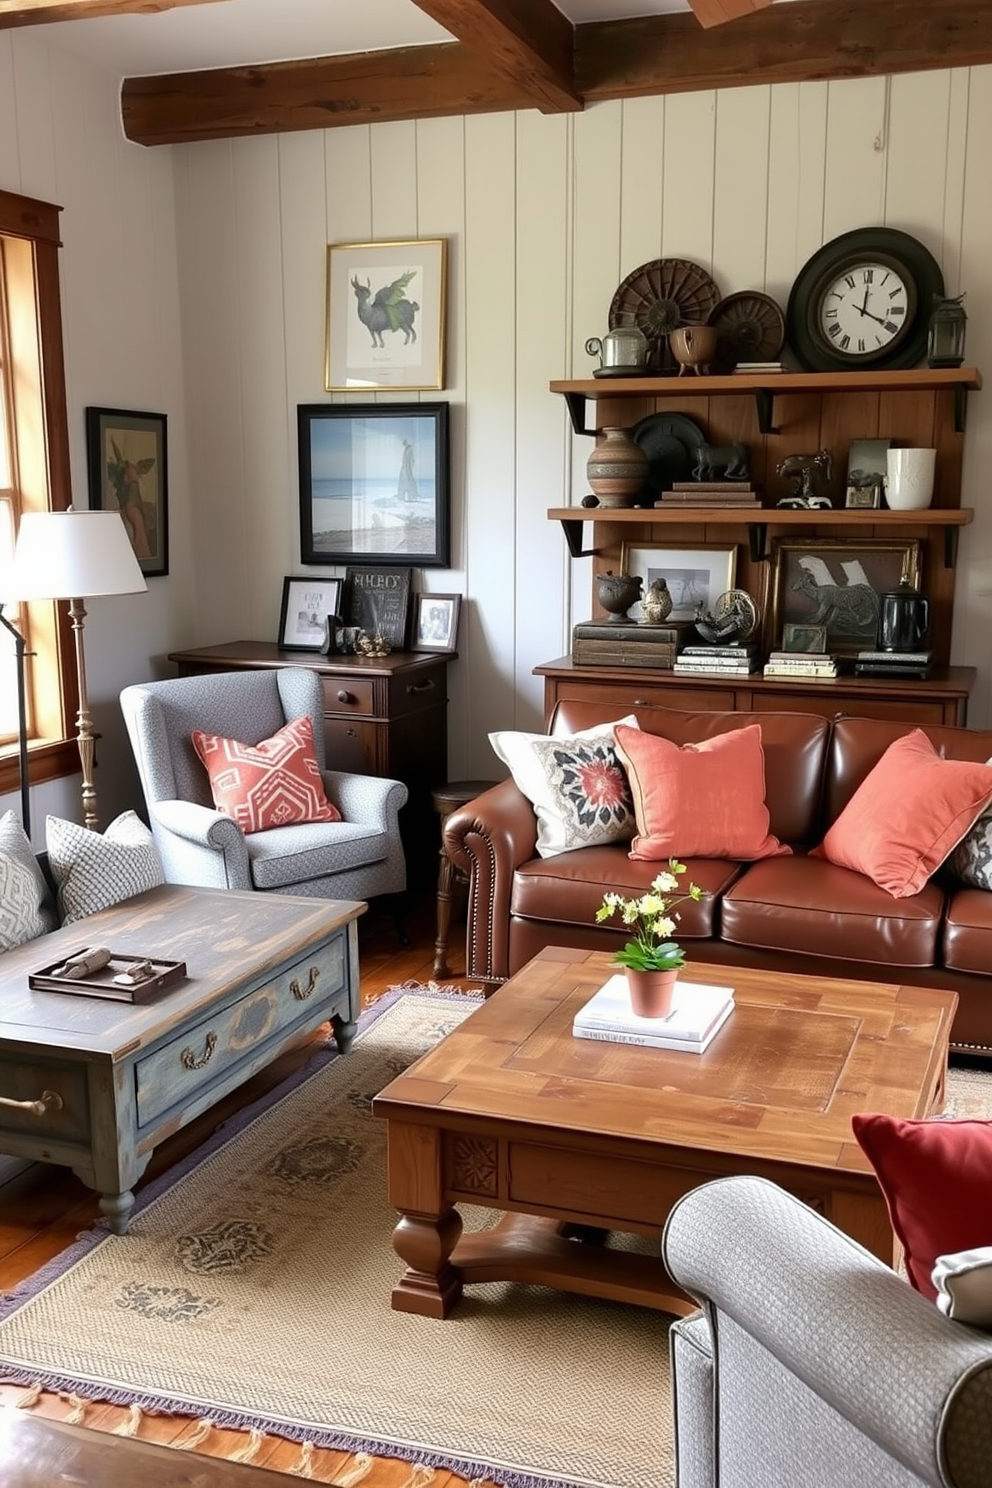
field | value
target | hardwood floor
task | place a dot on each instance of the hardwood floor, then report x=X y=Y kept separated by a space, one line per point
x=43 y=1210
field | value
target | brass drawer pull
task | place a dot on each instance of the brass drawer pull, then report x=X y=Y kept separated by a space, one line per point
x=427 y=686
x=50 y=1101
x=189 y=1060
x=302 y=993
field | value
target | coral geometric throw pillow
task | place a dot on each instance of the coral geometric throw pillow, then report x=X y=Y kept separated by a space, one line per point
x=271 y=784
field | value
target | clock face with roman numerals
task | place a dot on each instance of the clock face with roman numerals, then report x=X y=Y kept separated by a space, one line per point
x=863 y=301
x=865 y=309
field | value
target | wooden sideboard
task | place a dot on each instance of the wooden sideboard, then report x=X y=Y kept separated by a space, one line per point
x=385 y=716
x=940 y=699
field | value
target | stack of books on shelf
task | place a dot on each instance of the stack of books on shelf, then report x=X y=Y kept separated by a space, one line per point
x=737 y=493
x=698 y=1013
x=629 y=643
x=729 y=661
x=914 y=664
x=758 y=367
x=800 y=664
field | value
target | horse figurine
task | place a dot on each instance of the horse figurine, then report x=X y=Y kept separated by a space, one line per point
x=711 y=458
x=807 y=471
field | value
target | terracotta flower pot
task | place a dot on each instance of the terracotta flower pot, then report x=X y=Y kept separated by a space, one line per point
x=651 y=992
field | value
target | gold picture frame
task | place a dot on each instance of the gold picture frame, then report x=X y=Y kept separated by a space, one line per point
x=836 y=582
x=384 y=324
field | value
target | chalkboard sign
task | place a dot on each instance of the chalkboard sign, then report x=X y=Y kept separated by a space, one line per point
x=378 y=601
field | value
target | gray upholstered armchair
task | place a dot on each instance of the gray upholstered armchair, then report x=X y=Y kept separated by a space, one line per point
x=813 y=1365
x=356 y=858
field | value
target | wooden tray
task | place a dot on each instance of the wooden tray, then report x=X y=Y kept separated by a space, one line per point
x=101 y=983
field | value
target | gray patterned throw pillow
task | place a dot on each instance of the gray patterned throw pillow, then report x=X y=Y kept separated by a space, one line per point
x=972 y=858
x=25 y=908
x=95 y=871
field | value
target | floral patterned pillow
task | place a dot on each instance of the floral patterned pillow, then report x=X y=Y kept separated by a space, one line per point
x=576 y=784
x=972 y=858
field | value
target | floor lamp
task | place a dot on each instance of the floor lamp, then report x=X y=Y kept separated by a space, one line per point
x=75 y=555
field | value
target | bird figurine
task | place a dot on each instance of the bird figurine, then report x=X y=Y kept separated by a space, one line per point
x=656 y=606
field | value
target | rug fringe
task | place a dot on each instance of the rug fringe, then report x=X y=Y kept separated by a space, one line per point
x=304 y=1464
x=77 y=1408
x=419 y=1477
x=131 y=1422
x=360 y=1468
x=251 y=1448
x=197 y=1436
x=30 y=1398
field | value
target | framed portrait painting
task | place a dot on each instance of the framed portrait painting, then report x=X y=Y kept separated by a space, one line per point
x=384 y=324
x=836 y=583
x=374 y=483
x=435 y=622
x=307 y=603
x=127 y=467
x=696 y=577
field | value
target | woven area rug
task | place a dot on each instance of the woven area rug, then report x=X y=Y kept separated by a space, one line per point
x=253 y=1288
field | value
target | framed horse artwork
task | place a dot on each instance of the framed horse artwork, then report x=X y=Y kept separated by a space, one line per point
x=836 y=583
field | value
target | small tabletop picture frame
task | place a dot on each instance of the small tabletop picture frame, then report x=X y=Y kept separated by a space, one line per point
x=306 y=604
x=435 y=622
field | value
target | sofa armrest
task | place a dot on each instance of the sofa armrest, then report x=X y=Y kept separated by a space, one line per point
x=199 y=845
x=885 y=1358
x=489 y=839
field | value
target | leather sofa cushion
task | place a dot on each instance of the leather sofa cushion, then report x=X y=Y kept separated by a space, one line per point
x=568 y=889
x=811 y=906
x=794 y=746
x=967 y=940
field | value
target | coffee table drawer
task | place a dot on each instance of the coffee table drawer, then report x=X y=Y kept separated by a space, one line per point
x=37 y=1116
x=203 y=1053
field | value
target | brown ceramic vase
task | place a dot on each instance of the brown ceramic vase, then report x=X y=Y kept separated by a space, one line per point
x=617 y=469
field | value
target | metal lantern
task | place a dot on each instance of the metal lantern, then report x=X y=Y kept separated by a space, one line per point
x=945 y=339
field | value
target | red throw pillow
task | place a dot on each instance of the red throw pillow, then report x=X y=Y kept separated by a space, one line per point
x=907 y=815
x=271 y=784
x=935 y=1179
x=702 y=800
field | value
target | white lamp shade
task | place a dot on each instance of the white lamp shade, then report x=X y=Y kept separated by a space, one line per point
x=72 y=555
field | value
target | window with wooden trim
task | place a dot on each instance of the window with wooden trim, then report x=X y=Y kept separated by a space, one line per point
x=34 y=476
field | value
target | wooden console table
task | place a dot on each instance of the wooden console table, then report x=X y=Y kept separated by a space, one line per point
x=95 y=1084
x=940 y=699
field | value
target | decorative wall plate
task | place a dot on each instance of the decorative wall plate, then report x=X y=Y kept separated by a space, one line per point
x=670 y=441
x=751 y=327
x=660 y=296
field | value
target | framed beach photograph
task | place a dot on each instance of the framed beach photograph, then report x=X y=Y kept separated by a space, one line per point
x=385 y=315
x=835 y=582
x=435 y=622
x=374 y=483
x=377 y=600
x=127 y=468
x=306 y=604
x=696 y=577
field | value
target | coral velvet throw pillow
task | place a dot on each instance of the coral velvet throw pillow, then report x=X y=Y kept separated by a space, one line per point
x=907 y=815
x=703 y=800
x=271 y=784
x=935 y=1179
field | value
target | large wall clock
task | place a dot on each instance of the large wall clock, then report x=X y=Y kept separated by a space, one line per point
x=864 y=300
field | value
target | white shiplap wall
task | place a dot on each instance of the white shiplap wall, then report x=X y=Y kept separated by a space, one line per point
x=544 y=216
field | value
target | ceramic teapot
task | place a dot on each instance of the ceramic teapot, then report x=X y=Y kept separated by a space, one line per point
x=903 y=619
x=625 y=347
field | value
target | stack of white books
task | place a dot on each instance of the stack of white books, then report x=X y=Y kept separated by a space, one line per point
x=698 y=1013
x=800 y=664
x=738 y=660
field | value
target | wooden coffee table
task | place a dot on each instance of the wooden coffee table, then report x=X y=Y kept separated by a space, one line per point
x=513 y=1113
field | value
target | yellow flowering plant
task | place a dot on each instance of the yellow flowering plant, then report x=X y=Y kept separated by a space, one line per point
x=652 y=921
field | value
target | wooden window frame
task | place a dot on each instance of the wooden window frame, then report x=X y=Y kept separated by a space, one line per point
x=30 y=230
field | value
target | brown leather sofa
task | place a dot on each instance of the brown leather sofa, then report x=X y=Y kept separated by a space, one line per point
x=778 y=913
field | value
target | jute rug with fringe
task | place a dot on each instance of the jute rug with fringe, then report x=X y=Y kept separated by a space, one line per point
x=253 y=1291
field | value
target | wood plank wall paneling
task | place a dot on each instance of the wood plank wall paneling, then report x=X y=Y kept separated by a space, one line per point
x=544 y=216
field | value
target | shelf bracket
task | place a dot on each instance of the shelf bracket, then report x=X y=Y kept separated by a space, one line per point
x=765 y=400
x=576 y=403
x=572 y=529
x=757 y=533
x=960 y=406
x=950 y=547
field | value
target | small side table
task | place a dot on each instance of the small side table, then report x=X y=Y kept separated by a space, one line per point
x=448 y=798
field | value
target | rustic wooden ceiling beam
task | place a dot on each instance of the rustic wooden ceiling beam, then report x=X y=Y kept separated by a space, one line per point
x=529 y=42
x=38 y=12
x=715 y=12
x=362 y=88
x=809 y=40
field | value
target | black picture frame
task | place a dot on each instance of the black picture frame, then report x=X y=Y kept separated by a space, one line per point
x=434 y=626
x=307 y=602
x=377 y=600
x=127 y=464
x=374 y=483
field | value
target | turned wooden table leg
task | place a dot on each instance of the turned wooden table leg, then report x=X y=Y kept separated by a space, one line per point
x=430 y=1286
x=445 y=883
